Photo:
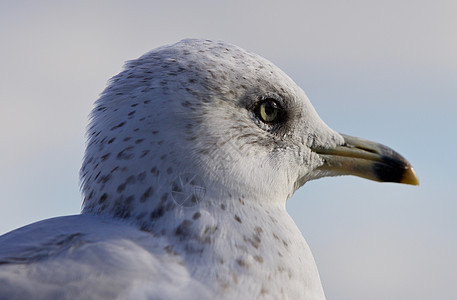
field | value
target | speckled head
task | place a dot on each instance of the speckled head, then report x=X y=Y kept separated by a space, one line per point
x=195 y=107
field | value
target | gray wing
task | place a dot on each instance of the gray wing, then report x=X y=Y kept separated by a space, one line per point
x=87 y=257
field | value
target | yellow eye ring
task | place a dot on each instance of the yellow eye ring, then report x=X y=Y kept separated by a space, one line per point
x=269 y=111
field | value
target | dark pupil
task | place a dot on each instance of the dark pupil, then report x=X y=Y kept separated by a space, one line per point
x=269 y=108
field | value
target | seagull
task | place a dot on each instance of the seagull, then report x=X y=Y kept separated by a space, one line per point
x=193 y=150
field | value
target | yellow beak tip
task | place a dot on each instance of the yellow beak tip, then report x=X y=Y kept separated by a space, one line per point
x=410 y=177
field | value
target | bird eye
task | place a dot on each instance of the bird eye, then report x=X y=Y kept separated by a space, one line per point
x=269 y=111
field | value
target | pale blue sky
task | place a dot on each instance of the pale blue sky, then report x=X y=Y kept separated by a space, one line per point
x=381 y=70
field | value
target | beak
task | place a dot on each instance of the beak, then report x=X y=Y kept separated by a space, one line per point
x=366 y=159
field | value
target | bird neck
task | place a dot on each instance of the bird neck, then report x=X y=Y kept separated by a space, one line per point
x=227 y=239
x=236 y=241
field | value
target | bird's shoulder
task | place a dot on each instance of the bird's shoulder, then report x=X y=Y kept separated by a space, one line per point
x=85 y=256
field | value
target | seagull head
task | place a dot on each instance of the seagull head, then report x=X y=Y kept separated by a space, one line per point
x=210 y=116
